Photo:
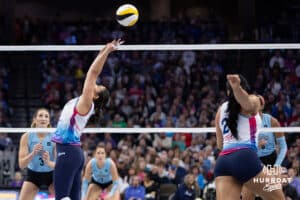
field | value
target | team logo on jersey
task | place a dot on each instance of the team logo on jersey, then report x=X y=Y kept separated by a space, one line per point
x=48 y=143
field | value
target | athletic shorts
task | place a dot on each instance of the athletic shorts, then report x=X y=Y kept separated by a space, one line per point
x=242 y=164
x=39 y=178
x=101 y=185
x=269 y=159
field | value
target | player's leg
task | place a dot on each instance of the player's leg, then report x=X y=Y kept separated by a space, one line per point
x=259 y=188
x=93 y=192
x=75 y=193
x=116 y=195
x=227 y=188
x=28 y=191
x=247 y=194
x=51 y=189
x=31 y=185
x=65 y=170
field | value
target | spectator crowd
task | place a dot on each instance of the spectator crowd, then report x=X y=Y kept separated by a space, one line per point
x=161 y=89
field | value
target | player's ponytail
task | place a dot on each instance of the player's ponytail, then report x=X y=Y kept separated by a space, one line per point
x=99 y=104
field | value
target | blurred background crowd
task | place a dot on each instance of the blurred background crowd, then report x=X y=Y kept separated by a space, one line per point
x=151 y=89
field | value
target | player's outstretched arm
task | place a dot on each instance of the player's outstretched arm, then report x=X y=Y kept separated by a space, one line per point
x=86 y=99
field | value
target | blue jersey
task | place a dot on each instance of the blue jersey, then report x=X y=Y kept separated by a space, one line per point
x=270 y=146
x=103 y=174
x=71 y=124
x=37 y=164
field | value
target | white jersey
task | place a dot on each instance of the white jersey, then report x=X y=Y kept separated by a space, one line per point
x=71 y=124
x=247 y=129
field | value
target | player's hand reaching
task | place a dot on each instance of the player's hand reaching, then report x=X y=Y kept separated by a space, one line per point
x=234 y=80
x=114 y=45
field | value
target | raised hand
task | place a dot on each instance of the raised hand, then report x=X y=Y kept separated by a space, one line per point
x=234 y=80
x=114 y=45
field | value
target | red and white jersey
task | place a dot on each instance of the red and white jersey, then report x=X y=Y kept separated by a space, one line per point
x=247 y=129
x=71 y=124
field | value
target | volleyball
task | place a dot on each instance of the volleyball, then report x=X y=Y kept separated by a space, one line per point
x=127 y=15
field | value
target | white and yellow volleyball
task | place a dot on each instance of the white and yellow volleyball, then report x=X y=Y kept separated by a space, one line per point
x=127 y=15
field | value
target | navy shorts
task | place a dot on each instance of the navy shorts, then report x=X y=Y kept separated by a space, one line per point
x=101 y=185
x=243 y=165
x=39 y=178
x=269 y=159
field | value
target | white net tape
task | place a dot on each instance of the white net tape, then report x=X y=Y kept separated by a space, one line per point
x=146 y=130
x=154 y=47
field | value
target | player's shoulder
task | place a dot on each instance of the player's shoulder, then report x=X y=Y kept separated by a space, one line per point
x=274 y=121
x=93 y=160
x=109 y=160
x=30 y=135
x=25 y=136
x=75 y=99
x=223 y=106
x=72 y=101
x=266 y=115
x=225 y=103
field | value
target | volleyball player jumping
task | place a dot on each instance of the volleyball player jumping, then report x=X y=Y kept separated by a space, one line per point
x=74 y=117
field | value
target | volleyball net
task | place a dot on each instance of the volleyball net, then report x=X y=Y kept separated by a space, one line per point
x=146 y=130
x=153 y=47
x=234 y=48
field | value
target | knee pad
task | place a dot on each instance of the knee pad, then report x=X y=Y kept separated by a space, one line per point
x=66 y=198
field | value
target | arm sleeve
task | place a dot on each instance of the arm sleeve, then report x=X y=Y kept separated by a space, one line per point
x=282 y=150
x=114 y=188
x=84 y=188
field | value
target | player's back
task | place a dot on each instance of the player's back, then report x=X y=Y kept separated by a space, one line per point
x=247 y=129
x=71 y=123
